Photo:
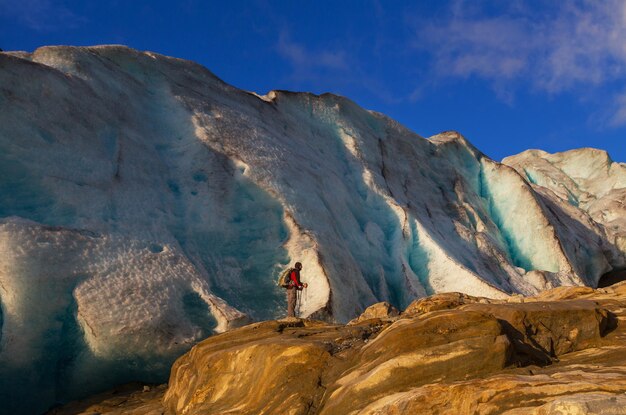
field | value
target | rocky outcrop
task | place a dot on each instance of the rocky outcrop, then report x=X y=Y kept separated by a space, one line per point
x=377 y=311
x=451 y=354
x=583 y=404
x=556 y=394
x=444 y=301
x=268 y=368
x=154 y=224
x=542 y=331
x=444 y=346
x=563 y=352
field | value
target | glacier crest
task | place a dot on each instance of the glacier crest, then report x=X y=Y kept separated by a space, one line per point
x=145 y=204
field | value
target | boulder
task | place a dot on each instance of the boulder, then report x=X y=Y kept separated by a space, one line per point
x=564 y=293
x=382 y=310
x=543 y=331
x=443 y=301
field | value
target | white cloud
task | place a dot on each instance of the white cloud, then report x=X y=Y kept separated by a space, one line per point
x=304 y=60
x=330 y=68
x=617 y=116
x=560 y=46
x=41 y=15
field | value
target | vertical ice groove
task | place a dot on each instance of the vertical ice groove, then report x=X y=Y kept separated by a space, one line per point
x=382 y=228
x=444 y=272
x=226 y=317
x=520 y=219
x=156 y=172
x=198 y=311
x=588 y=180
x=530 y=176
x=249 y=251
x=68 y=346
x=240 y=252
x=167 y=211
x=418 y=258
x=21 y=192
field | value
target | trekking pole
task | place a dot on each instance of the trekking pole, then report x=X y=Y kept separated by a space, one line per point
x=298 y=302
x=301 y=293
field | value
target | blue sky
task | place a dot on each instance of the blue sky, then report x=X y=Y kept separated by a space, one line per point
x=509 y=75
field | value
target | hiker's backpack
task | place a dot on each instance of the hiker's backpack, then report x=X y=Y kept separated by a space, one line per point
x=285 y=280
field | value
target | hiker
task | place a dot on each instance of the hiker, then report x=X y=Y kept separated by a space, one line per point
x=292 y=289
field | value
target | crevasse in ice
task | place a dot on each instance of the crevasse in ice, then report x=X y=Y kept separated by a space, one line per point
x=145 y=204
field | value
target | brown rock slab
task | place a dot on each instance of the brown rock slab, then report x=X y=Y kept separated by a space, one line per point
x=542 y=331
x=618 y=289
x=585 y=404
x=443 y=301
x=440 y=346
x=564 y=293
x=560 y=352
x=275 y=367
x=382 y=310
x=300 y=367
x=505 y=394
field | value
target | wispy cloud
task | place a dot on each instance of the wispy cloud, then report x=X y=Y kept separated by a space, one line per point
x=41 y=15
x=617 y=117
x=330 y=67
x=563 y=47
x=304 y=60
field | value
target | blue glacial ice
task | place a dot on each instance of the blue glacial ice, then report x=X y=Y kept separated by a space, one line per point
x=145 y=204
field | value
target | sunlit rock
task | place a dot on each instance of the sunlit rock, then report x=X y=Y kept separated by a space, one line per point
x=145 y=204
x=382 y=310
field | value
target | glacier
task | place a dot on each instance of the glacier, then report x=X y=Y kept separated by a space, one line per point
x=586 y=179
x=145 y=204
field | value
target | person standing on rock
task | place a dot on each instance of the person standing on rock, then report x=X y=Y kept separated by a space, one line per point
x=294 y=286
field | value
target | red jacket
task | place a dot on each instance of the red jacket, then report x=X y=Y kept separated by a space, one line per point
x=295 y=278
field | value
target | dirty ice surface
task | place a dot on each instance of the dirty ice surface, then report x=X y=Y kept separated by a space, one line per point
x=145 y=204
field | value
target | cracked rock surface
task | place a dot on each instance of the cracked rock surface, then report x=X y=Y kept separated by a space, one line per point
x=562 y=352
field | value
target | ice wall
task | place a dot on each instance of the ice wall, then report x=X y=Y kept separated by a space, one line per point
x=83 y=311
x=145 y=204
x=589 y=189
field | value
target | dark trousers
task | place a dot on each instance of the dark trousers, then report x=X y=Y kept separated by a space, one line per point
x=292 y=296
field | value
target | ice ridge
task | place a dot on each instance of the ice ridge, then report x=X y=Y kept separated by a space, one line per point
x=145 y=203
